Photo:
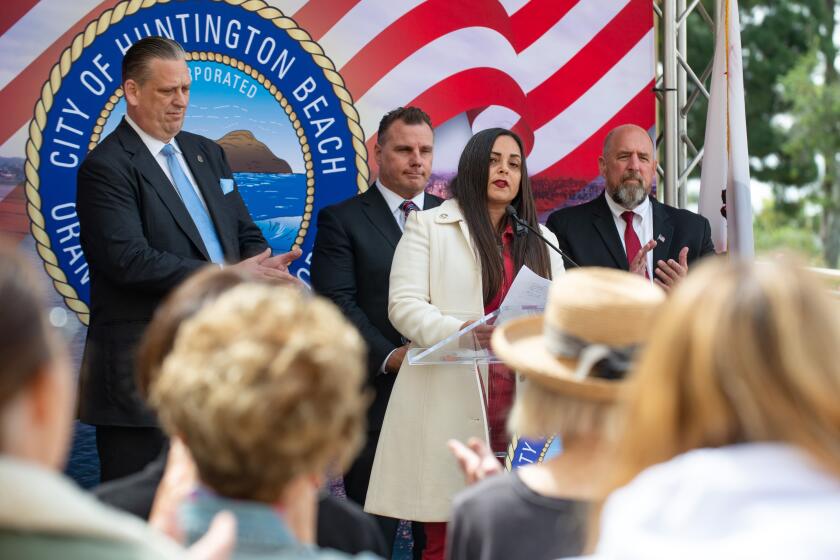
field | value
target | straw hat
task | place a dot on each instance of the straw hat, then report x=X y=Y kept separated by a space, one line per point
x=594 y=320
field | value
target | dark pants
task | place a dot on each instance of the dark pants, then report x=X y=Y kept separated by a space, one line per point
x=124 y=451
x=356 y=482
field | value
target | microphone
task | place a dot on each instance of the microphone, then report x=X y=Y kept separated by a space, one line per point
x=520 y=226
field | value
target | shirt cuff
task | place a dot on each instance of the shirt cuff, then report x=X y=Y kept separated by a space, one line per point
x=385 y=362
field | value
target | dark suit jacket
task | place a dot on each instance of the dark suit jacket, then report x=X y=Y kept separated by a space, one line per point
x=140 y=242
x=351 y=265
x=587 y=233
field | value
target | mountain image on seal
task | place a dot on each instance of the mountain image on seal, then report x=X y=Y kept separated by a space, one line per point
x=246 y=154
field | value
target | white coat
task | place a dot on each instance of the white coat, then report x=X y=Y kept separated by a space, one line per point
x=435 y=287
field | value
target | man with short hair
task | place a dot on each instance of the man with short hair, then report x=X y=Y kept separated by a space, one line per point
x=351 y=263
x=154 y=205
x=627 y=228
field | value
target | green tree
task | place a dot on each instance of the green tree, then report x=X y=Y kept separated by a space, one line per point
x=813 y=90
x=779 y=226
x=790 y=76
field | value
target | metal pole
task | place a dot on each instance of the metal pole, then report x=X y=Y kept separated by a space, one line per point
x=671 y=112
x=682 y=97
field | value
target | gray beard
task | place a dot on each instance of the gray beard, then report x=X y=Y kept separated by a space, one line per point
x=629 y=195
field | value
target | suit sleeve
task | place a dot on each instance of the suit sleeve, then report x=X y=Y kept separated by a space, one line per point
x=409 y=302
x=251 y=240
x=112 y=234
x=333 y=274
x=558 y=225
x=707 y=246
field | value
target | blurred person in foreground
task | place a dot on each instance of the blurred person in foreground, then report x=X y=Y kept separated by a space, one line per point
x=732 y=440
x=263 y=387
x=454 y=264
x=42 y=513
x=135 y=493
x=166 y=480
x=574 y=359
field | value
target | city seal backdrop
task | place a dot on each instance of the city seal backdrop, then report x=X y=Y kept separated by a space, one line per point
x=261 y=88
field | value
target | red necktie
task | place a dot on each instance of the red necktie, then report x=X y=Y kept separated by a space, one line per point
x=408 y=207
x=632 y=245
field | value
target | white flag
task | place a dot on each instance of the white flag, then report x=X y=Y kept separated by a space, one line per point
x=725 y=177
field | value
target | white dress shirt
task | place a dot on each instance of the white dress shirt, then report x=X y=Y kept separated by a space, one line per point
x=393 y=200
x=155 y=146
x=642 y=225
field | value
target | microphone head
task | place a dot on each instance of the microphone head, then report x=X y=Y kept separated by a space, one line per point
x=511 y=211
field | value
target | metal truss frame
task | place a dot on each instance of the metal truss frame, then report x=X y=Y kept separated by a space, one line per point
x=678 y=156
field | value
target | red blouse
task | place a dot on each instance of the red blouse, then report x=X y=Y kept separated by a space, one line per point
x=507 y=256
x=501 y=381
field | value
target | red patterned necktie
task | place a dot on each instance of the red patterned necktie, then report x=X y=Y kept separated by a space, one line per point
x=632 y=245
x=407 y=208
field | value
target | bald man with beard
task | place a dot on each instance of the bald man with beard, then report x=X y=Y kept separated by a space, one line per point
x=626 y=227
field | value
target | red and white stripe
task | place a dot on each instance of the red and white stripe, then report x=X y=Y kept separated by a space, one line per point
x=560 y=72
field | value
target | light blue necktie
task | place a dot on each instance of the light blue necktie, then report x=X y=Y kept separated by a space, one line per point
x=194 y=206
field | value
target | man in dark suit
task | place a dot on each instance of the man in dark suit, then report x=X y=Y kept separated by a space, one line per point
x=154 y=205
x=627 y=228
x=351 y=262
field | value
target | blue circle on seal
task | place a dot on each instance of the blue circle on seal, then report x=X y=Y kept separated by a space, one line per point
x=255 y=88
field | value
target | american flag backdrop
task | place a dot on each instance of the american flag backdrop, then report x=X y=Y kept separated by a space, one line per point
x=561 y=73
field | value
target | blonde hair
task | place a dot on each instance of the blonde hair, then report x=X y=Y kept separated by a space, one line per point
x=263 y=385
x=742 y=352
x=538 y=411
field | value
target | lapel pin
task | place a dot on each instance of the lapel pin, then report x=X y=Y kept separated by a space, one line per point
x=200 y=158
x=660 y=238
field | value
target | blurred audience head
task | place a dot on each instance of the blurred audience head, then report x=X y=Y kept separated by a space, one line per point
x=575 y=357
x=742 y=352
x=184 y=302
x=36 y=386
x=263 y=385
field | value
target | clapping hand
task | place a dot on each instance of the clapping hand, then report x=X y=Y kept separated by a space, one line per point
x=670 y=272
x=476 y=460
x=639 y=263
x=264 y=266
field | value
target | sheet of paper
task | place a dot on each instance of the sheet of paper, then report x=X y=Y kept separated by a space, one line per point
x=527 y=296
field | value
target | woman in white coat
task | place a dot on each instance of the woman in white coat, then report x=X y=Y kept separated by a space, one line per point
x=454 y=264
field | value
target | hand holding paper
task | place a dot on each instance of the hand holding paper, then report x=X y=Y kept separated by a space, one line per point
x=527 y=295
